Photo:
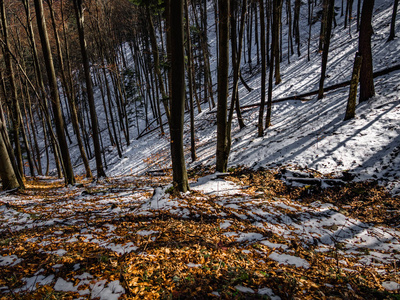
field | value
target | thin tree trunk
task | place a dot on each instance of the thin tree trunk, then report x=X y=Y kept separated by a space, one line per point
x=89 y=89
x=328 y=31
x=393 y=22
x=263 y=71
x=190 y=76
x=367 y=89
x=351 y=103
x=156 y=58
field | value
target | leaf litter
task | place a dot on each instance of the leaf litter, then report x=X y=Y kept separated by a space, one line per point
x=244 y=235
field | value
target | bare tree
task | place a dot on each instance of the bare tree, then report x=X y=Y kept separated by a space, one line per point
x=180 y=178
x=367 y=89
x=89 y=89
x=223 y=140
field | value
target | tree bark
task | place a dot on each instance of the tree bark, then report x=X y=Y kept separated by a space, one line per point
x=351 y=103
x=7 y=175
x=223 y=68
x=89 y=89
x=14 y=104
x=367 y=89
x=327 y=40
x=263 y=71
x=393 y=22
x=190 y=76
x=180 y=178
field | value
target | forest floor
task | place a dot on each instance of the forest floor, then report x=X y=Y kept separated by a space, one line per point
x=242 y=235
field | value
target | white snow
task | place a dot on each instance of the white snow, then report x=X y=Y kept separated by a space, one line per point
x=391 y=285
x=244 y=289
x=289 y=260
x=9 y=260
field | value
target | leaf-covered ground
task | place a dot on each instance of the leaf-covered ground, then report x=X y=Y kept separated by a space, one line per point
x=243 y=236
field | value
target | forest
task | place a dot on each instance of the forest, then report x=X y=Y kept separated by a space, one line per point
x=199 y=149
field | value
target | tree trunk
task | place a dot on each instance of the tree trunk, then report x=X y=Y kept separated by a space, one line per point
x=14 y=104
x=7 y=175
x=327 y=40
x=59 y=122
x=89 y=89
x=274 y=58
x=263 y=71
x=277 y=12
x=367 y=89
x=190 y=76
x=351 y=103
x=393 y=22
x=236 y=57
x=180 y=178
x=223 y=68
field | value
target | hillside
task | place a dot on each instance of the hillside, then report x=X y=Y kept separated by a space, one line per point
x=309 y=211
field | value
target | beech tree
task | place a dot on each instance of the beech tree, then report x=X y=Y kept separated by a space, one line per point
x=367 y=88
x=327 y=39
x=223 y=133
x=89 y=88
x=8 y=172
x=180 y=178
x=393 y=22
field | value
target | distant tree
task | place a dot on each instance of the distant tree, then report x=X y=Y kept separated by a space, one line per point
x=274 y=58
x=180 y=178
x=156 y=57
x=296 y=26
x=223 y=133
x=277 y=16
x=367 y=89
x=327 y=41
x=236 y=56
x=67 y=85
x=89 y=88
x=393 y=22
x=351 y=103
x=190 y=81
x=263 y=71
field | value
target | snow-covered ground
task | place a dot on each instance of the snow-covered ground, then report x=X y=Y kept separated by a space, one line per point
x=309 y=133
x=312 y=134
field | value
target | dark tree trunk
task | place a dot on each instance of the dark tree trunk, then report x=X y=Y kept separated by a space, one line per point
x=263 y=71
x=393 y=22
x=180 y=178
x=223 y=67
x=236 y=58
x=8 y=170
x=351 y=103
x=277 y=15
x=367 y=89
x=89 y=89
x=327 y=40
x=190 y=76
